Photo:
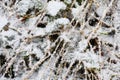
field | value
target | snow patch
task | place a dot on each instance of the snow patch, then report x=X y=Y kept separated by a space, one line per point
x=3 y=21
x=100 y=10
x=75 y=12
x=62 y=21
x=56 y=24
x=54 y=7
x=82 y=45
x=23 y=6
x=39 y=32
x=50 y=27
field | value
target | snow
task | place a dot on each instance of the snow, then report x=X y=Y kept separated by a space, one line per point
x=39 y=32
x=100 y=10
x=3 y=21
x=36 y=43
x=62 y=21
x=82 y=45
x=23 y=6
x=54 y=7
x=51 y=26
x=37 y=51
x=68 y=1
x=89 y=59
x=8 y=33
x=65 y=37
x=76 y=12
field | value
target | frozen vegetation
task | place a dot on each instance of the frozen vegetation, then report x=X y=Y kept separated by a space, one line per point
x=59 y=39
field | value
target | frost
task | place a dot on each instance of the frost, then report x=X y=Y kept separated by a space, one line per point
x=54 y=7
